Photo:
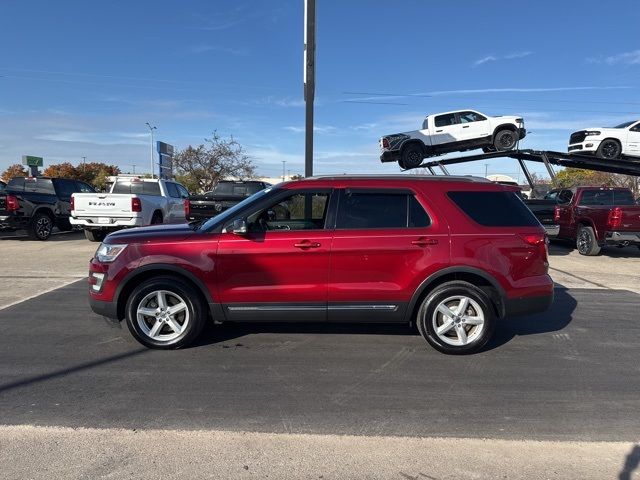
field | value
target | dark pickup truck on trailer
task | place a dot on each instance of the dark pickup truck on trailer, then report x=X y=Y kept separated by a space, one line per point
x=225 y=194
x=37 y=204
x=597 y=216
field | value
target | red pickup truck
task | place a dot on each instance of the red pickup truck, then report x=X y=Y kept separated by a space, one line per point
x=598 y=216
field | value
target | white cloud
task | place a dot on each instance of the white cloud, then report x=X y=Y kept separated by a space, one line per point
x=626 y=58
x=495 y=58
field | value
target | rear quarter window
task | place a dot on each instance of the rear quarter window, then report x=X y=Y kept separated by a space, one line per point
x=494 y=209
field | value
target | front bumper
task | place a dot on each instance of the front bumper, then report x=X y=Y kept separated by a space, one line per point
x=522 y=132
x=106 y=309
x=622 y=238
x=588 y=146
x=114 y=222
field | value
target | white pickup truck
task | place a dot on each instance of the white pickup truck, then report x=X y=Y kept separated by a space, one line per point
x=609 y=143
x=452 y=132
x=131 y=202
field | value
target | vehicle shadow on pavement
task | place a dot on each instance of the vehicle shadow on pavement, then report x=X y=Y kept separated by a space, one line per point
x=55 y=237
x=561 y=247
x=556 y=318
x=631 y=463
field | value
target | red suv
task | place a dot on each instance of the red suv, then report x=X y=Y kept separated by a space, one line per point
x=452 y=254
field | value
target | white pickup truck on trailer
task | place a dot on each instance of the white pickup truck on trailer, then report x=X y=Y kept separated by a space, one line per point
x=131 y=202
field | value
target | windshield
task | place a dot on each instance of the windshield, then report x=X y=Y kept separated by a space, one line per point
x=626 y=124
x=224 y=216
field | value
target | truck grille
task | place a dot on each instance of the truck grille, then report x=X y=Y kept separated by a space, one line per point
x=577 y=137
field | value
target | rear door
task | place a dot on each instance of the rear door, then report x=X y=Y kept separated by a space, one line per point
x=446 y=130
x=385 y=242
x=278 y=270
x=175 y=204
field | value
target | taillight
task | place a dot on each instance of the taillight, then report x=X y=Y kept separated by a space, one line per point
x=187 y=208
x=136 y=204
x=556 y=214
x=385 y=143
x=73 y=203
x=12 y=203
x=615 y=218
x=534 y=239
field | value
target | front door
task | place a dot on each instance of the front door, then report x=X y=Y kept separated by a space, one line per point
x=278 y=270
x=386 y=241
x=633 y=140
x=473 y=127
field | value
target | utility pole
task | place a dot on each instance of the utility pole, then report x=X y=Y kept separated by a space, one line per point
x=309 y=81
x=284 y=162
x=151 y=129
x=486 y=168
x=83 y=160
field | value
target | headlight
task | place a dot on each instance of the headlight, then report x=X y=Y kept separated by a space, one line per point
x=107 y=253
x=519 y=120
x=592 y=132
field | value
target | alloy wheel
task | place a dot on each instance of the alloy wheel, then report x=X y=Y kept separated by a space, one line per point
x=162 y=316
x=43 y=227
x=584 y=241
x=458 y=320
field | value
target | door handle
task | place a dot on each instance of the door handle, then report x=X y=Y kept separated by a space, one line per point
x=438 y=131
x=307 y=244
x=423 y=242
x=465 y=126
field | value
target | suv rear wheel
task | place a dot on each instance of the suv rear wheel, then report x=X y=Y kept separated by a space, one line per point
x=456 y=318
x=40 y=227
x=505 y=140
x=165 y=312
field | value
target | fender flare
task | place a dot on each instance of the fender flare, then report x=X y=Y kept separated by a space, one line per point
x=504 y=126
x=434 y=277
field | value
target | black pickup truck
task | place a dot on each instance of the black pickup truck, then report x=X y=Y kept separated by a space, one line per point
x=37 y=204
x=544 y=210
x=225 y=194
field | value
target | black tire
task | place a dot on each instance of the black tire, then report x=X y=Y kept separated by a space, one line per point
x=609 y=149
x=411 y=156
x=156 y=218
x=40 y=227
x=95 y=235
x=586 y=242
x=505 y=140
x=448 y=294
x=192 y=321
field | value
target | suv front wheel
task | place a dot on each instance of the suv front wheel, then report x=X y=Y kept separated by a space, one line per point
x=165 y=312
x=456 y=318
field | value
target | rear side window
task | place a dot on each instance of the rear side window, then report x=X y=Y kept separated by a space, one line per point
x=172 y=189
x=494 y=209
x=139 y=187
x=380 y=210
x=623 y=197
x=597 y=197
x=39 y=185
x=444 y=120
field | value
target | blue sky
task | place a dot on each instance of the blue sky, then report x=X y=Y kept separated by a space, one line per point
x=81 y=78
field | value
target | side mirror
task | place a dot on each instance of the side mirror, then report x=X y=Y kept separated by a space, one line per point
x=239 y=226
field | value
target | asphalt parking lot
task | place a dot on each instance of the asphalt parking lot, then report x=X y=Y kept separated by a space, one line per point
x=570 y=375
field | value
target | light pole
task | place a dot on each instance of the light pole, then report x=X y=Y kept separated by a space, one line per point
x=83 y=160
x=309 y=76
x=151 y=129
x=284 y=163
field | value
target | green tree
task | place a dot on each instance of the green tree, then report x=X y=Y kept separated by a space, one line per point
x=15 y=170
x=200 y=168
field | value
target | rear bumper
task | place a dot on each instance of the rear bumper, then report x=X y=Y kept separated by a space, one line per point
x=617 y=238
x=114 y=222
x=389 y=156
x=552 y=230
x=13 y=222
x=528 y=305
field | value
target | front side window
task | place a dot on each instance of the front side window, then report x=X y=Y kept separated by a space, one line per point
x=298 y=211
x=468 y=117
x=446 y=119
x=635 y=128
x=362 y=210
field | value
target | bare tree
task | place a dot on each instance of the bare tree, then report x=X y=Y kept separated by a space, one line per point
x=200 y=168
